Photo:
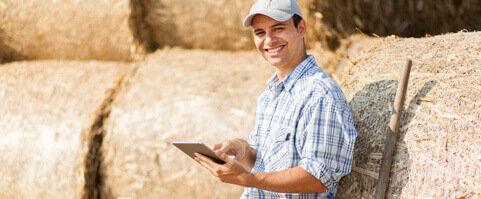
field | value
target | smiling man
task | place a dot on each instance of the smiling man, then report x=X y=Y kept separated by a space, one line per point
x=303 y=139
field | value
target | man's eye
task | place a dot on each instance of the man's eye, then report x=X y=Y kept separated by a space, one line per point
x=279 y=29
x=258 y=33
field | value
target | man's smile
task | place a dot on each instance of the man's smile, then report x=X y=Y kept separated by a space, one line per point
x=274 y=51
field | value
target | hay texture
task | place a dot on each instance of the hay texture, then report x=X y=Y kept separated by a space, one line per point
x=439 y=144
x=122 y=30
x=334 y=62
x=401 y=17
x=9 y=51
x=47 y=108
x=179 y=95
x=66 y=29
x=204 y=24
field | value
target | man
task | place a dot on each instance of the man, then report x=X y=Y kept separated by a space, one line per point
x=303 y=139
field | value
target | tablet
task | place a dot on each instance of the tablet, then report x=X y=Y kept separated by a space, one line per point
x=190 y=148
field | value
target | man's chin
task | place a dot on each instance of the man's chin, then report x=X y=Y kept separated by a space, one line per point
x=274 y=61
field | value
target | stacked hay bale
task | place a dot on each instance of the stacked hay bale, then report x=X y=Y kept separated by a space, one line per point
x=401 y=17
x=68 y=29
x=213 y=24
x=118 y=30
x=8 y=50
x=47 y=110
x=205 y=24
x=439 y=142
x=179 y=95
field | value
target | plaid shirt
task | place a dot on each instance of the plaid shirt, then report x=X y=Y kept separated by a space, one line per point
x=303 y=121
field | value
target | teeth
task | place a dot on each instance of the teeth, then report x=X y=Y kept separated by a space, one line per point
x=274 y=50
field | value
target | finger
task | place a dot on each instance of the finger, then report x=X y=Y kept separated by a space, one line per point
x=234 y=148
x=207 y=160
x=213 y=167
x=204 y=161
x=202 y=157
x=207 y=166
x=223 y=156
x=226 y=146
x=217 y=146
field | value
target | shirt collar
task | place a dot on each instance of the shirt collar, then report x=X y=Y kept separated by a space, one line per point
x=289 y=81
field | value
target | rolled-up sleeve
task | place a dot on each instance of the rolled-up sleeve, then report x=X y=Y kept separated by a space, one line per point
x=327 y=139
x=253 y=142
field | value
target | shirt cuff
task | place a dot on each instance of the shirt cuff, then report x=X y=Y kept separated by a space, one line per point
x=318 y=170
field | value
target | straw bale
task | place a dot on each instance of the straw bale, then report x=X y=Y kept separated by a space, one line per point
x=66 y=29
x=179 y=95
x=438 y=147
x=8 y=50
x=334 y=62
x=205 y=24
x=401 y=17
x=46 y=106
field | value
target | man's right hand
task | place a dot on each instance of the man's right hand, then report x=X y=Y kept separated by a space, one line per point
x=240 y=149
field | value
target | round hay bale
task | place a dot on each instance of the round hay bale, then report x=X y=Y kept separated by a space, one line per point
x=46 y=110
x=67 y=29
x=438 y=148
x=401 y=17
x=334 y=62
x=204 y=24
x=179 y=95
x=208 y=24
x=8 y=50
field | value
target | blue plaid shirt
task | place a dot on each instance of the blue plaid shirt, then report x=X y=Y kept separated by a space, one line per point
x=303 y=121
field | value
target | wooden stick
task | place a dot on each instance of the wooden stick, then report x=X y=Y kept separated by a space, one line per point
x=362 y=171
x=392 y=132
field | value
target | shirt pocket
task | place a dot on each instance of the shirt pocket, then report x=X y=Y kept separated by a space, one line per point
x=279 y=154
x=280 y=135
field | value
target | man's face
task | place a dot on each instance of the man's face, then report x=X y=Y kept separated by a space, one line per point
x=280 y=43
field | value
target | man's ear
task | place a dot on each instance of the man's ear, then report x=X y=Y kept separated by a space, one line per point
x=302 y=27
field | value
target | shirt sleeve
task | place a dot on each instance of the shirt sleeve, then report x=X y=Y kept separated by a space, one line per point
x=253 y=137
x=327 y=138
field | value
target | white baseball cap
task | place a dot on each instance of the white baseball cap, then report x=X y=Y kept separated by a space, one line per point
x=279 y=10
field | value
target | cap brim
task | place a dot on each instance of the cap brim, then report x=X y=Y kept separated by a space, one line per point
x=276 y=15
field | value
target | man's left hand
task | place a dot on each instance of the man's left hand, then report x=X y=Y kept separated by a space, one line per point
x=231 y=172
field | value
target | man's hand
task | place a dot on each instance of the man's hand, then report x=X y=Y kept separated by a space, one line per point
x=237 y=170
x=293 y=180
x=231 y=172
x=241 y=151
x=235 y=147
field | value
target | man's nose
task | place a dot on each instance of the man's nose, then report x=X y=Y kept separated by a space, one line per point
x=271 y=39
